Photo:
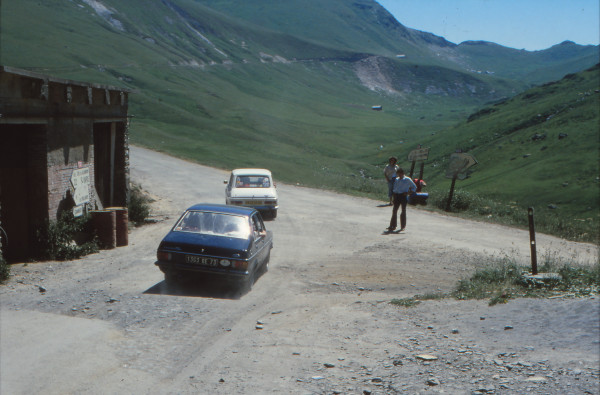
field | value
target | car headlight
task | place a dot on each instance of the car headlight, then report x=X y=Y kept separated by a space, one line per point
x=225 y=262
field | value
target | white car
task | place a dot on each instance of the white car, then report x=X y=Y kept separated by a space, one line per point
x=252 y=188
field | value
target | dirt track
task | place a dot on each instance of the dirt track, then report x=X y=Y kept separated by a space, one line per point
x=105 y=324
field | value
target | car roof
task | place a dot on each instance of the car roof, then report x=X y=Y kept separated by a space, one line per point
x=222 y=208
x=251 y=172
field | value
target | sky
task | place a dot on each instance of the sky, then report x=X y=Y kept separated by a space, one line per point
x=522 y=24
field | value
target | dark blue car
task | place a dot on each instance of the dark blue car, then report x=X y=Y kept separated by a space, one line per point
x=227 y=242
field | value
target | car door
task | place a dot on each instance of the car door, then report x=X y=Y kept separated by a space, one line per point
x=261 y=242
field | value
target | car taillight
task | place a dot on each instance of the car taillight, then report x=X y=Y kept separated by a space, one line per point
x=163 y=255
x=240 y=265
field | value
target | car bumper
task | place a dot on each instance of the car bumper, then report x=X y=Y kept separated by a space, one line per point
x=258 y=205
x=229 y=274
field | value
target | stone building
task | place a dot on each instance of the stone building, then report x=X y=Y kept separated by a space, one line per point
x=63 y=146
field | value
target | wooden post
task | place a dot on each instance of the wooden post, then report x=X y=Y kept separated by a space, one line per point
x=113 y=132
x=449 y=202
x=412 y=169
x=422 y=170
x=534 y=270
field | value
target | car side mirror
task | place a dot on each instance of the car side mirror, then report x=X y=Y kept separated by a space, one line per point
x=225 y=182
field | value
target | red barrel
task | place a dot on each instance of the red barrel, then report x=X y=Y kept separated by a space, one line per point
x=105 y=224
x=122 y=225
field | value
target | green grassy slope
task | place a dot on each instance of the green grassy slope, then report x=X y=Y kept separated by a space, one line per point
x=359 y=25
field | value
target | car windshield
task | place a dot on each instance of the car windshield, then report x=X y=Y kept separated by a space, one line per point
x=211 y=223
x=252 y=182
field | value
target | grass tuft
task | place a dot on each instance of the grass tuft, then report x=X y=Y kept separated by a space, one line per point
x=405 y=302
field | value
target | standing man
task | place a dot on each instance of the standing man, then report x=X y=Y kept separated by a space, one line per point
x=390 y=174
x=403 y=186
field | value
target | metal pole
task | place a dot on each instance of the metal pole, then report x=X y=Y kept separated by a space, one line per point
x=534 y=270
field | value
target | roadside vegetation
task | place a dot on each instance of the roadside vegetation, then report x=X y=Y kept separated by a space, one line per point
x=503 y=279
x=139 y=205
x=70 y=238
x=66 y=238
x=547 y=220
x=4 y=269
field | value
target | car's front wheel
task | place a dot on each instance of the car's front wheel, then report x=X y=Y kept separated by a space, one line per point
x=265 y=266
x=246 y=284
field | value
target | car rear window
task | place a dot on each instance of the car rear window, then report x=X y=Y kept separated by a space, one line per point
x=252 y=182
x=211 y=223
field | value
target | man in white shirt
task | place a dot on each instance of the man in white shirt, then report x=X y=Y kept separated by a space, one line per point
x=403 y=186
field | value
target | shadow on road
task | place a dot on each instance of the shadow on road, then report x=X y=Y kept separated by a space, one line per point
x=203 y=289
x=394 y=232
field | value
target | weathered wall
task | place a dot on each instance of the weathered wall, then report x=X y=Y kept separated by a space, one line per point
x=70 y=148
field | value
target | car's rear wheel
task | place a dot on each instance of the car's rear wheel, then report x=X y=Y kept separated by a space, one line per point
x=171 y=279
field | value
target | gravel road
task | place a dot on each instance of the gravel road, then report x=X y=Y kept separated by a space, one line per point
x=319 y=322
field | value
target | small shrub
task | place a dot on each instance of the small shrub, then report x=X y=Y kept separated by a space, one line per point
x=57 y=240
x=139 y=205
x=406 y=302
x=4 y=269
x=461 y=201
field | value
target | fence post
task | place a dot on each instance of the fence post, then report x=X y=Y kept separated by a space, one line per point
x=449 y=201
x=534 y=270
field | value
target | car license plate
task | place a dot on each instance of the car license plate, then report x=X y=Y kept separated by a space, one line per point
x=201 y=260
